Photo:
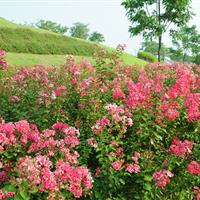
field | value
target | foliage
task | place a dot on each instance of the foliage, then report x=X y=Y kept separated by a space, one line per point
x=153 y=17
x=196 y=59
x=152 y=47
x=139 y=131
x=187 y=41
x=79 y=30
x=147 y=56
x=51 y=26
x=96 y=37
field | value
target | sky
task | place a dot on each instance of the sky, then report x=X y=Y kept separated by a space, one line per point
x=105 y=16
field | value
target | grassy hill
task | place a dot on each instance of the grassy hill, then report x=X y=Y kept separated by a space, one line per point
x=25 y=39
x=28 y=46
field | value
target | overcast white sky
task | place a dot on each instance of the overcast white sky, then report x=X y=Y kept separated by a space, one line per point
x=105 y=16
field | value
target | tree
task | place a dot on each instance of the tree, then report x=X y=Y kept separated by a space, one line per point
x=187 y=40
x=153 y=17
x=97 y=37
x=152 y=47
x=79 y=30
x=175 y=54
x=51 y=26
x=196 y=59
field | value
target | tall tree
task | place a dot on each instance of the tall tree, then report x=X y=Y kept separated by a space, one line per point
x=153 y=17
x=97 y=37
x=51 y=26
x=79 y=30
x=152 y=47
x=187 y=40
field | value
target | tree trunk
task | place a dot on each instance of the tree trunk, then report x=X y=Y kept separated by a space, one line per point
x=160 y=31
x=159 y=47
x=184 y=57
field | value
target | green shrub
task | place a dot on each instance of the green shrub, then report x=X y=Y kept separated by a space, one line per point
x=147 y=56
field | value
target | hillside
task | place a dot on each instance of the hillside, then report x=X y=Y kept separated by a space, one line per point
x=28 y=41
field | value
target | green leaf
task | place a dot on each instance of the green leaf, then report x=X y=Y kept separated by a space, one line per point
x=18 y=197
x=147 y=186
x=148 y=178
x=23 y=194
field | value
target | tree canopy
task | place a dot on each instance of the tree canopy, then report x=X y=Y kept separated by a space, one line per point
x=79 y=30
x=51 y=26
x=187 y=41
x=97 y=37
x=152 y=18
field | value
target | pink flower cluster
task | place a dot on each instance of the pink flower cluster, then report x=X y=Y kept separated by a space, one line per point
x=134 y=167
x=92 y=142
x=140 y=92
x=180 y=148
x=100 y=125
x=3 y=62
x=119 y=114
x=6 y=195
x=170 y=110
x=118 y=93
x=40 y=165
x=162 y=178
x=117 y=165
x=192 y=105
x=194 y=168
x=130 y=167
x=38 y=171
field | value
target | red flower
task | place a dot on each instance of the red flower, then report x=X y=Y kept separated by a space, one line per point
x=194 y=168
x=180 y=148
x=162 y=178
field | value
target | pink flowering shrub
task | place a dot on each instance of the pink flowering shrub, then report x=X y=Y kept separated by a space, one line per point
x=46 y=161
x=3 y=61
x=119 y=132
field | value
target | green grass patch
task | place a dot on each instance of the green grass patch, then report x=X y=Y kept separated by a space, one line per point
x=23 y=59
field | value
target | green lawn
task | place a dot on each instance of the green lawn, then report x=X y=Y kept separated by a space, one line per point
x=30 y=46
x=23 y=59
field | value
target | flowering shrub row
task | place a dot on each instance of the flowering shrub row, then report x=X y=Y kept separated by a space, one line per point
x=139 y=130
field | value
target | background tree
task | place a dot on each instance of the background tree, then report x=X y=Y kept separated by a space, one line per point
x=152 y=47
x=187 y=40
x=51 y=26
x=153 y=17
x=97 y=37
x=79 y=30
x=196 y=59
x=175 y=54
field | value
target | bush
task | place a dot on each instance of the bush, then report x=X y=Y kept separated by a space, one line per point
x=147 y=56
x=139 y=130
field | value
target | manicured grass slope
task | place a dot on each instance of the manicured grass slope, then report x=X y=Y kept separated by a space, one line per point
x=31 y=46
x=25 y=39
